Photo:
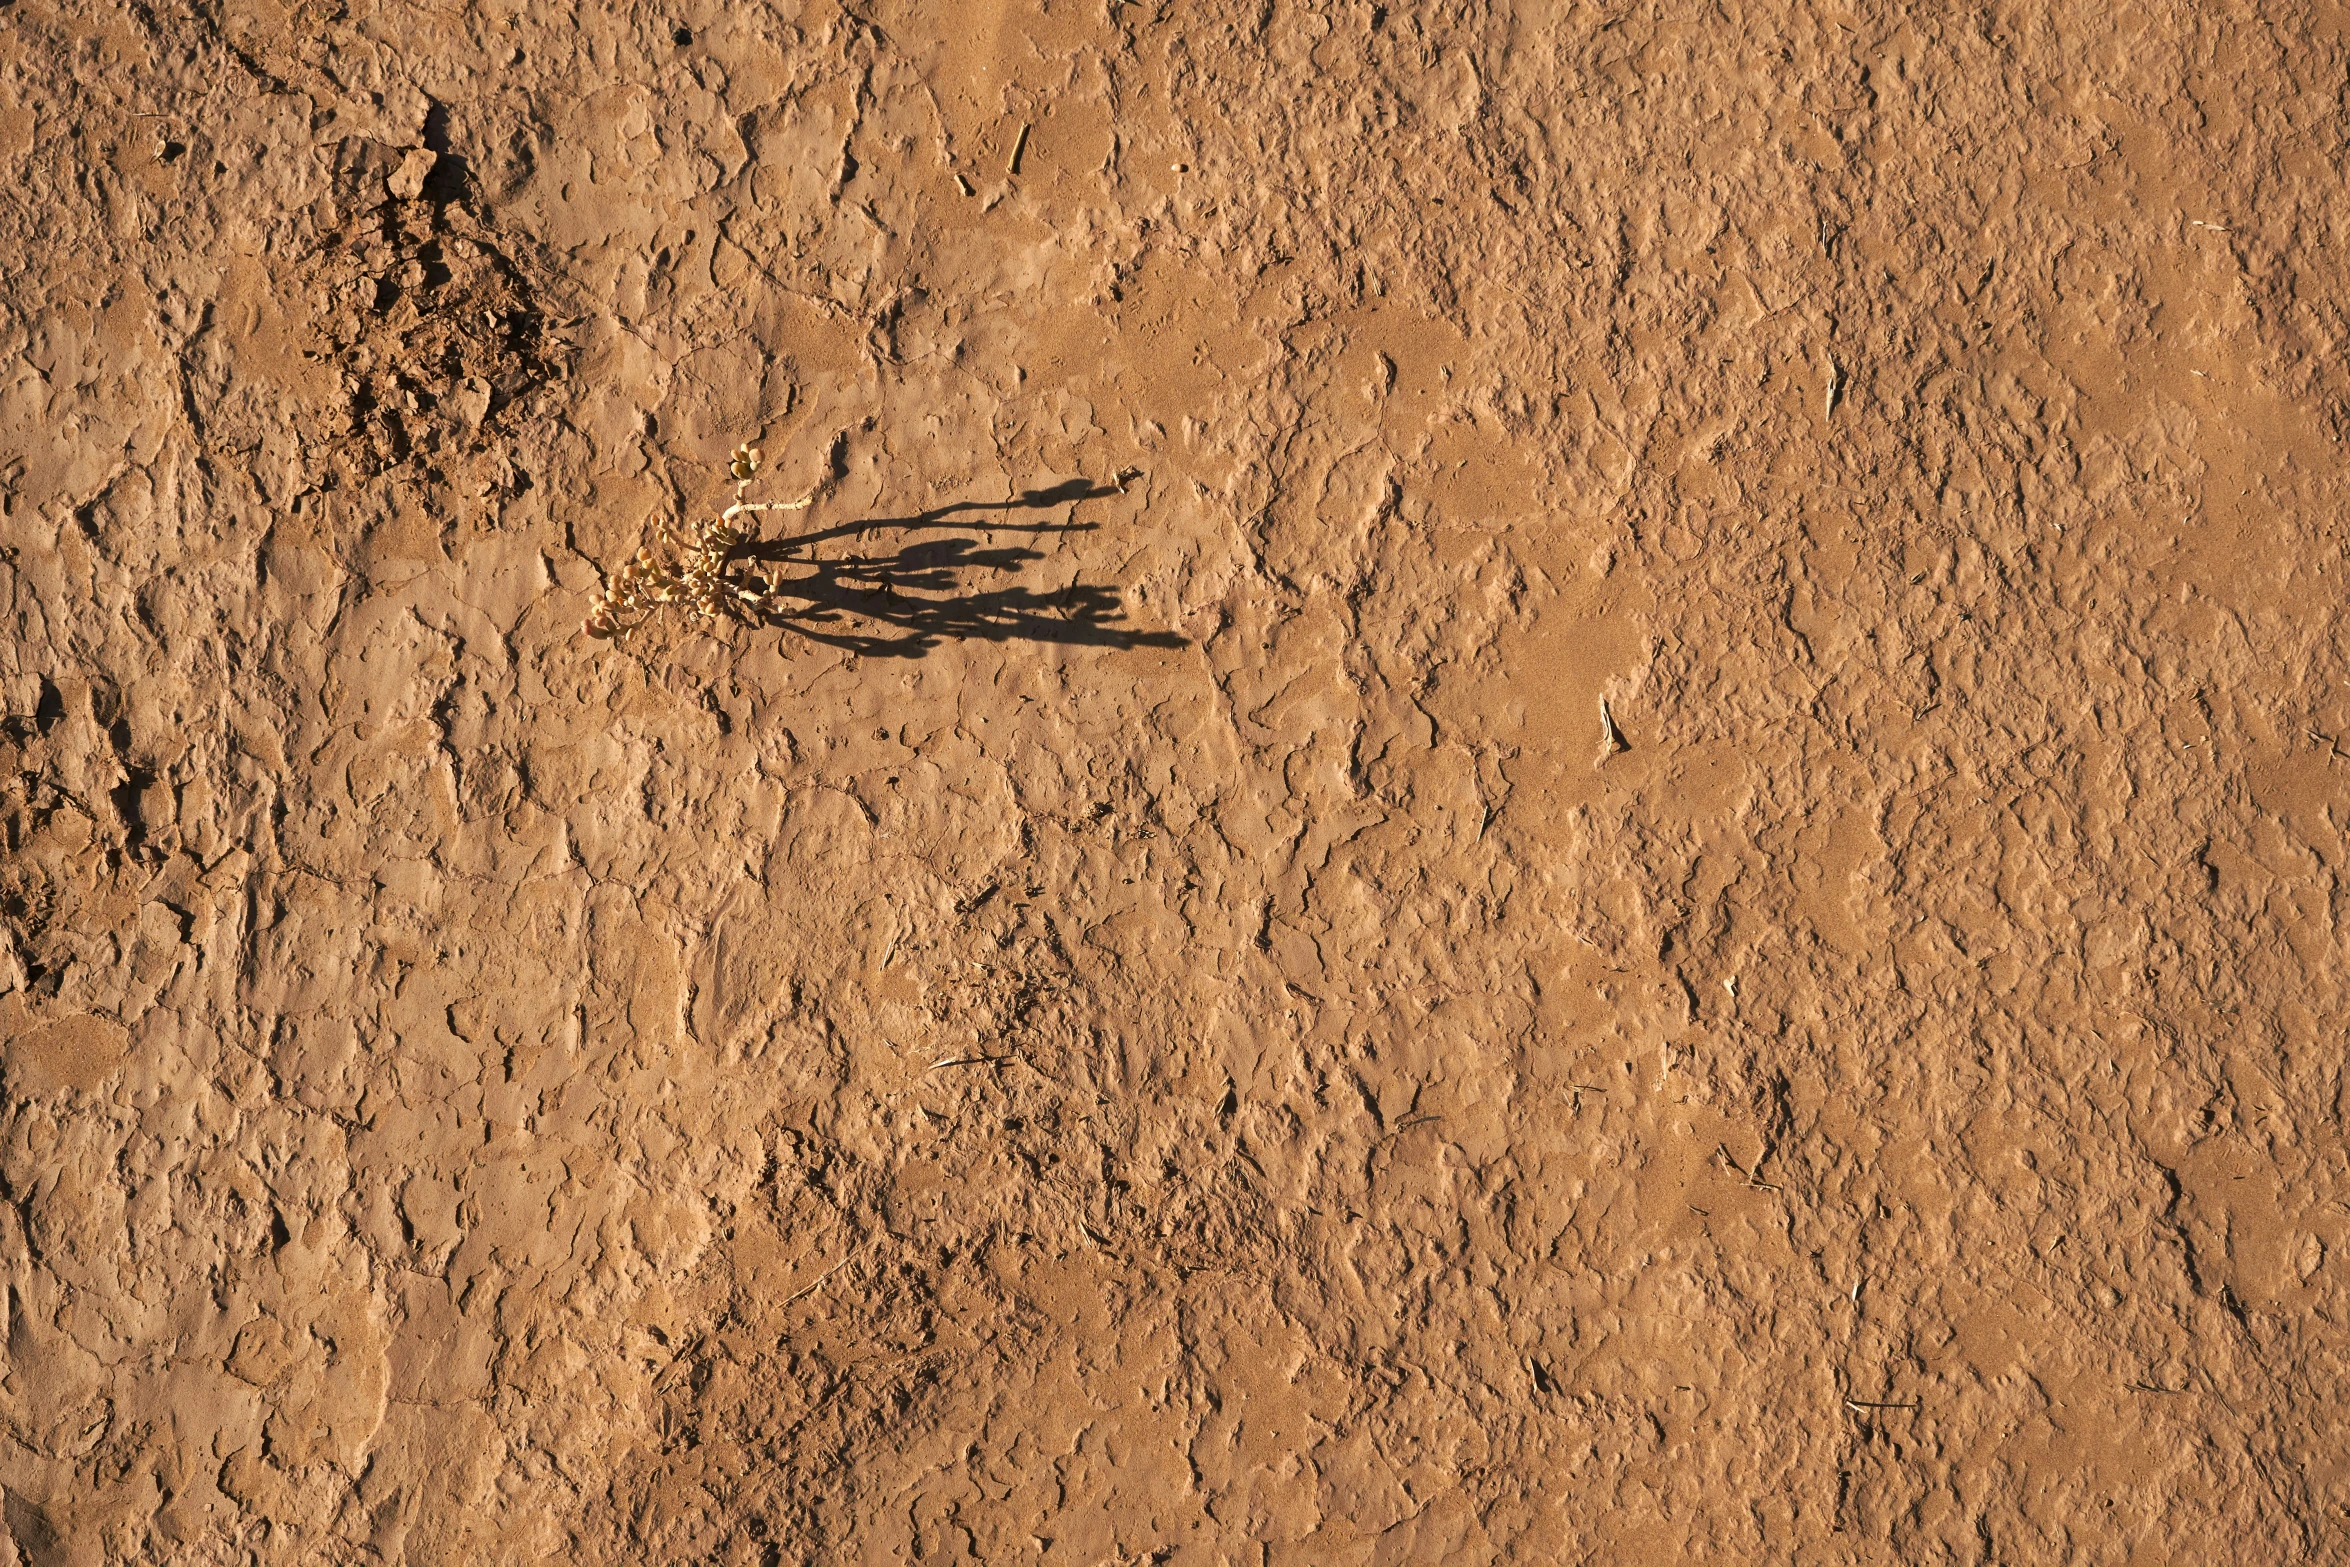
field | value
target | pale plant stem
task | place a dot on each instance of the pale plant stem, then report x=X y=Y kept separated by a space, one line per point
x=802 y=504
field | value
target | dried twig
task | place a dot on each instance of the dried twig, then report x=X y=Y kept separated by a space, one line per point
x=809 y=1289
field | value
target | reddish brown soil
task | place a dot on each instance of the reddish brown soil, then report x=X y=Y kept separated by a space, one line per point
x=1142 y=1018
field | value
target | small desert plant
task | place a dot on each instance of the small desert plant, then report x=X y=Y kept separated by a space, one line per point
x=697 y=570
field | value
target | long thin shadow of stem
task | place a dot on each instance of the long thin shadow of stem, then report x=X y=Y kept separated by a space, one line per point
x=919 y=595
x=1062 y=494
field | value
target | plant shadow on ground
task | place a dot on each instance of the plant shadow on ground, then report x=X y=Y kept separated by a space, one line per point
x=921 y=594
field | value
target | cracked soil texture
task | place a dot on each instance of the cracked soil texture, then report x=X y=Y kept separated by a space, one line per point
x=1143 y=1015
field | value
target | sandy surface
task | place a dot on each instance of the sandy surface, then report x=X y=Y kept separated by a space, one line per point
x=1140 y=1018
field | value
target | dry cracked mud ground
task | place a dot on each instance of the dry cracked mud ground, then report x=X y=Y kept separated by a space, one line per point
x=1140 y=1016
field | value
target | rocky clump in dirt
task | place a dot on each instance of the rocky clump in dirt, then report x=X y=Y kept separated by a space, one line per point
x=437 y=333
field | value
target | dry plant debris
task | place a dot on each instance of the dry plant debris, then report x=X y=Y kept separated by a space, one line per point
x=694 y=571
